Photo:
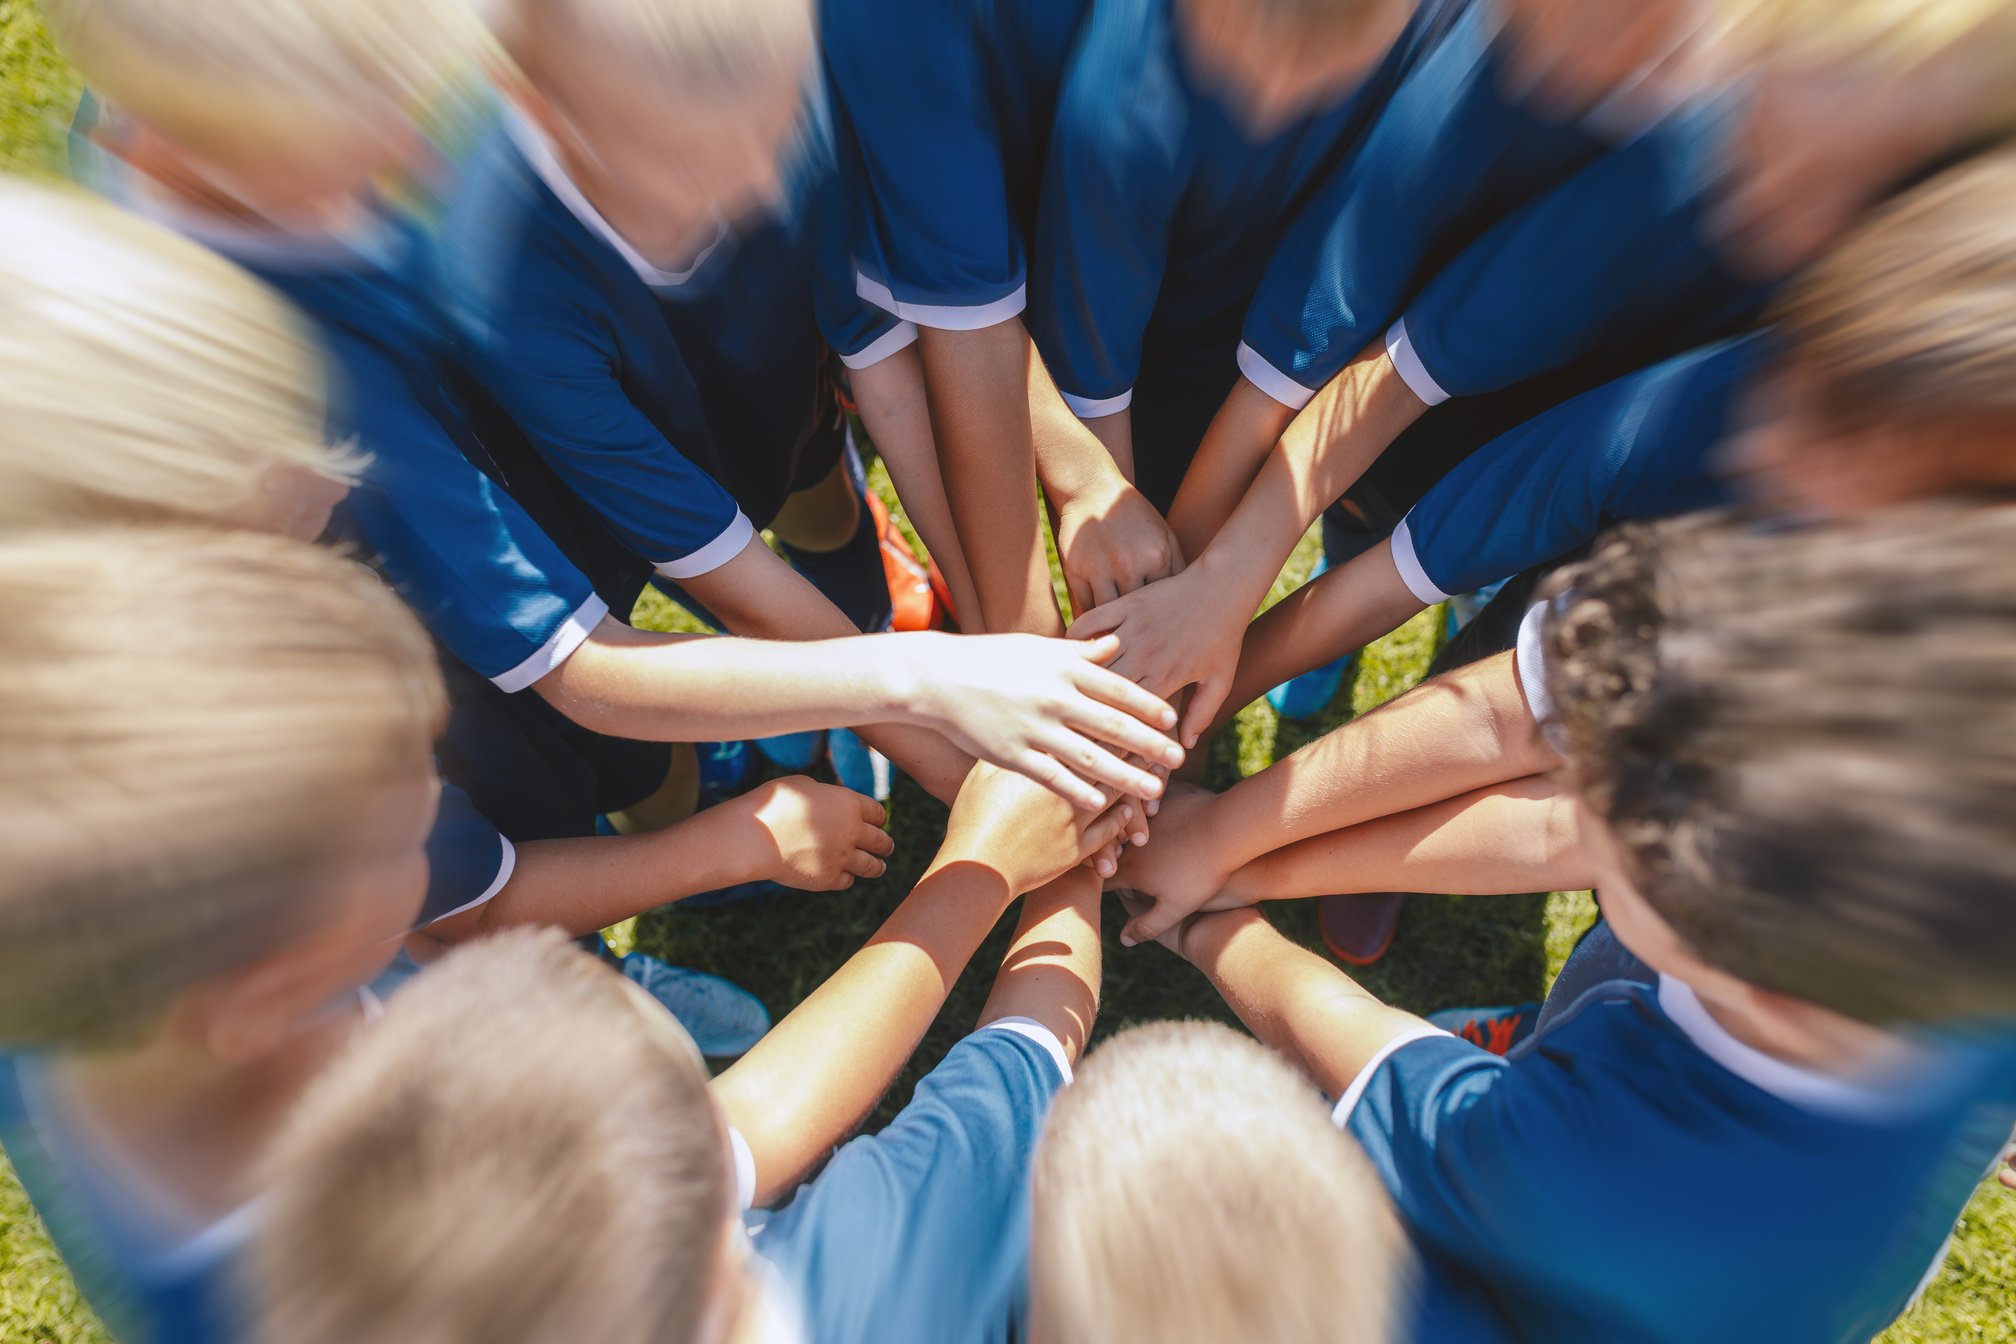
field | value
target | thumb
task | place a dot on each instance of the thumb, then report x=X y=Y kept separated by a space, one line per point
x=1202 y=711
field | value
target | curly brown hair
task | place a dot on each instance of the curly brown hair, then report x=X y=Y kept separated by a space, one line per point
x=1804 y=744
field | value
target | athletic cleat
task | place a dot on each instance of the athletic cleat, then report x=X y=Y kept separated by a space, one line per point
x=723 y=1019
x=1359 y=928
x=1494 y=1029
x=859 y=766
x=725 y=767
x=914 y=587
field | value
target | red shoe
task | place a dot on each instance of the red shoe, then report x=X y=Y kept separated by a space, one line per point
x=915 y=601
x=1358 y=929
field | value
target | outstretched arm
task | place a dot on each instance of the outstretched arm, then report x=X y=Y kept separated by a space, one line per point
x=1051 y=972
x=808 y=1083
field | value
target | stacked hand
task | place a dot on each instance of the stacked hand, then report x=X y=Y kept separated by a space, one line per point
x=1111 y=541
x=1025 y=832
x=816 y=837
x=1181 y=872
x=1174 y=634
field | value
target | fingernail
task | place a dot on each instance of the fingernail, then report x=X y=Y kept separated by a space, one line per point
x=1105 y=868
x=1127 y=812
x=1126 y=941
x=1140 y=839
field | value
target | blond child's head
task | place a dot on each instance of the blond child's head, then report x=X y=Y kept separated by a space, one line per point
x=149 y=380
x=669 y=112
x=1190 y=1188
x=216 y=789
x=1898 y=374
x=284 y=105
x=1277 y=60
x=476 y=1131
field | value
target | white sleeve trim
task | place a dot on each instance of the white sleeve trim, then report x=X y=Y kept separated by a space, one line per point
x=1408 y=562
x=899 y=337
x=745 y=1170
x=1030 y=1029
x=557 y=649
x=1271 y=380
x=734 y=539
x=505 y=866
x=1407 y=363
x=1348 y=1103
x=1087 y=408
x=943 y=317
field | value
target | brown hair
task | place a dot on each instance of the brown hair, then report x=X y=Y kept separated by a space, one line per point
x=196 y=724
x=1191 y=1188
x=1804 y=744
x=513 y=1155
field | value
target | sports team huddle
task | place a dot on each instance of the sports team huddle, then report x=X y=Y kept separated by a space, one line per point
x=384 y=355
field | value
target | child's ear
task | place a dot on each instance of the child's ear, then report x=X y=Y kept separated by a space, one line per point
x=248 y=1013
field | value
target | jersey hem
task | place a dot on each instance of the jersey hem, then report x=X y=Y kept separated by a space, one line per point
x=943 y=317
x=1271 y=380
x=557 y=649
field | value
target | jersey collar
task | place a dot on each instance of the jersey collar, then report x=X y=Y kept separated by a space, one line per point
x=544 y=160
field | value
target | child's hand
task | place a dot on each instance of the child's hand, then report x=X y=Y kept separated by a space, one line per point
x=1178 y=872
x=1137 y=907
x=1047 y=709
x=1111 y=542
x=1025 y=832
x=1173 y=634
x=817 y=837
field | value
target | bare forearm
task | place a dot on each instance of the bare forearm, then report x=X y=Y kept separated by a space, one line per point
x=1509 y=838
x=1465 y=730
x=980 y=418
x=1342 y=610
x=1051 y=972
x=1071 y=455
x=1116 y=433
x=1241 y=435
x=811 y=1079
x=583 y=885
x=1292 y=999
x=891 y=398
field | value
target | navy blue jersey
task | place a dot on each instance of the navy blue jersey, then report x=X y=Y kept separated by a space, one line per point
x=1159 y=211
x=921 y=1232
x=1447 y=157
x=1640 y=447
x=468 y=859
x=486 y=578
x=1638 y=1174
x=942 y=110
x=1615 y=267
x=680 y=409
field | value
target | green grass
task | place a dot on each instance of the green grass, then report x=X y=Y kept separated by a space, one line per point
x=1448 y=951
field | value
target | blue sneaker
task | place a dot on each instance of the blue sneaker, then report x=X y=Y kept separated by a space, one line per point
x=859 y=766
x=793 y=752
x=1466 y=607
x=724 y=768
x=1308 y=695
x=1494 y=1029
x=723 y=1019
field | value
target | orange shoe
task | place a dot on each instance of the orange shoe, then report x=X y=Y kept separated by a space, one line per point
x=914 y=588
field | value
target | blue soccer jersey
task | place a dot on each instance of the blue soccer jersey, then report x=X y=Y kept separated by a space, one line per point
x=468 y=859
x=942 y=110
x=1447 y=157
x=921 y=1232
x=489 y=582
x=1615 y=268
x=1639 y=1174
x=680 y=408
x=1640 y=447
x=1159 y=209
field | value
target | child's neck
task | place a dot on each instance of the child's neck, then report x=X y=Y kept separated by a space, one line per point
x=1824 y=1043
x=186 y=1126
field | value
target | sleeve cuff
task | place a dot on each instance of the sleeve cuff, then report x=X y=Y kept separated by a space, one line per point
x=1030 y=1029
x=1530 y=660
x=1271 y=380
x=1091 y=408
x=506 y=865
x=734 y=539
x=898 y=337
x=1407 y=362
x=1408 y=562
x=1341 y=1115
x=557 y=649
x=745 y=1170
x=943 y=317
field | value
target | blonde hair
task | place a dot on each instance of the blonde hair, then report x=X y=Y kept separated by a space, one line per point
x=521 y=1152
x=1912 y=316
x=1896 y=34
x=195 y=725
x=261 y=74
x=148 y=380
x=714 y=45
x=1190 y=1188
